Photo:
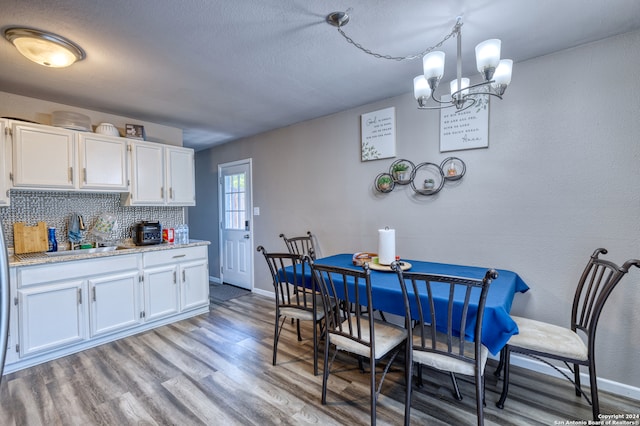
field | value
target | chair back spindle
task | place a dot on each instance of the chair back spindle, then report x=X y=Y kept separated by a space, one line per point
x=302 y=245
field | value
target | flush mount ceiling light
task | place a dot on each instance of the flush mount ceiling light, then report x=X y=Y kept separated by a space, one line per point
x=44 y=48
x=496 y=73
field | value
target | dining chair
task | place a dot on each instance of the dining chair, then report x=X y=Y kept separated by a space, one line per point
x=301 y=245
x=541 y=340
x=435 y=340
x=294 y=299
x=354 y=330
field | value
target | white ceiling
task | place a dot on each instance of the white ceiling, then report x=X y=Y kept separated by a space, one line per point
x=223 y=70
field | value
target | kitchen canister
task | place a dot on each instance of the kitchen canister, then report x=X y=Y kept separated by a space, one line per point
x=386 y=246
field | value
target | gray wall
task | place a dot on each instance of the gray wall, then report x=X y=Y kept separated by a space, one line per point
x=559 y=179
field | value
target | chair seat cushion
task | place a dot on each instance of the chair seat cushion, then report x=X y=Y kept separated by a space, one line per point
x=303 y=313
x=548 y=338
x=387 y=336
x=444 y=362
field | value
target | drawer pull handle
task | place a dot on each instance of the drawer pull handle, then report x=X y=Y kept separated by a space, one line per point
x=179 y=255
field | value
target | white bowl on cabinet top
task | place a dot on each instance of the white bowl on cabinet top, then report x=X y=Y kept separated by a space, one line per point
x=107 y=129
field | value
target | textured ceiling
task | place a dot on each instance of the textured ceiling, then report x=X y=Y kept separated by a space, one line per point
x=222 y=70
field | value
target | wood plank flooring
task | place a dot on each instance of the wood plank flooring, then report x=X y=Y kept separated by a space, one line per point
x=215 y=369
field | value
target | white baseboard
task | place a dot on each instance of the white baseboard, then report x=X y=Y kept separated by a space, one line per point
x=603 y=384
x=266 y=293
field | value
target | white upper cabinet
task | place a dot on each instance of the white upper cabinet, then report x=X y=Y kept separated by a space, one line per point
x=161 y=175
x=180 y=177
x=103 y=162
x=5 y=164
x=147 y=174
x=43 y=157
x=52 y=158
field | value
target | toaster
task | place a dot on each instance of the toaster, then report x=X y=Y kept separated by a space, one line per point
x=147 y=233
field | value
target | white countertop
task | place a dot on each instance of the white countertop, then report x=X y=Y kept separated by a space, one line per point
x=29 y=259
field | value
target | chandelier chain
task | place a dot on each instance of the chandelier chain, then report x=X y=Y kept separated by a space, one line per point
x=455 y=30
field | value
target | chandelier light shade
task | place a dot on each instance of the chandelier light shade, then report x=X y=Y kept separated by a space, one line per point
x=421 y=89
x=433 y=65
x=47 y=49
x=488 y=57
x=495 y=72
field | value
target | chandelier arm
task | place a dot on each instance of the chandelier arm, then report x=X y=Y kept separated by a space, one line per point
x=484 y=83
x=439 y=101
x=455 y=30
x=437 y=107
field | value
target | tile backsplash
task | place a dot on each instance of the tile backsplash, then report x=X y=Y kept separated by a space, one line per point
x=55 y=208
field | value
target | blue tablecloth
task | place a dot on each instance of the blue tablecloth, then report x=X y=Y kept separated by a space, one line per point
x=497 y=325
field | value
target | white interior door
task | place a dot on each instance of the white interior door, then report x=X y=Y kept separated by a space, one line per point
x=236 y=225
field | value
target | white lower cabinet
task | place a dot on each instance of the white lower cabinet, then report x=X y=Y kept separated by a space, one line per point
x=192 y=293
x=181 y=272
x=65 y=307
x=51 y=316
x=114 y=302
x=161 y=292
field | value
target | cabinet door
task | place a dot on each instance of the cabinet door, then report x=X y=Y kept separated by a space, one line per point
x=147 y=174
x=114 y=302
x=180 y=177
x=5 y=165
x=103 y=162
x=43 y=157
x=51 y=316
x=160 y=291
x=194 y=278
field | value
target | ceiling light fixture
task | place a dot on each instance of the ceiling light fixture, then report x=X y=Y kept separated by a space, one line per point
x=496 y=73
x=44 y=48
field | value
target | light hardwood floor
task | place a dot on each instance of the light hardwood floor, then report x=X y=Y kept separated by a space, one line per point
x=215 y=369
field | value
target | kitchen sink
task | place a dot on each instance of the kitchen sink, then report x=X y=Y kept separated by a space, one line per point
x=80 y=252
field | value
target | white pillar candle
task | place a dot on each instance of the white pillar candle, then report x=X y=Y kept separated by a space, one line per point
x=386 y=246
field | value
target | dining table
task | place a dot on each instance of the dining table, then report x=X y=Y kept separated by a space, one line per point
x=497 y=325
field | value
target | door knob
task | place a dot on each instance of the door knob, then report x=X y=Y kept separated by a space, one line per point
x=246 y=237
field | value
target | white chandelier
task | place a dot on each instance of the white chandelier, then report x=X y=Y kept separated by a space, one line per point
x=496 y=72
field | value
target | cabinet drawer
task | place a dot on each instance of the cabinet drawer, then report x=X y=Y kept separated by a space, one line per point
x=41 y=274
x=174 y=255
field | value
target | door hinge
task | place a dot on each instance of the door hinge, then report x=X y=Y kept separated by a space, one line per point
x=7 y=131
x=129 y=148
x=94 y=294
x=15 y=301
x=142 y=314
x=79 y=296
x=128 y=182
x=11 y=176
x=18 y=347
x=140 y=278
